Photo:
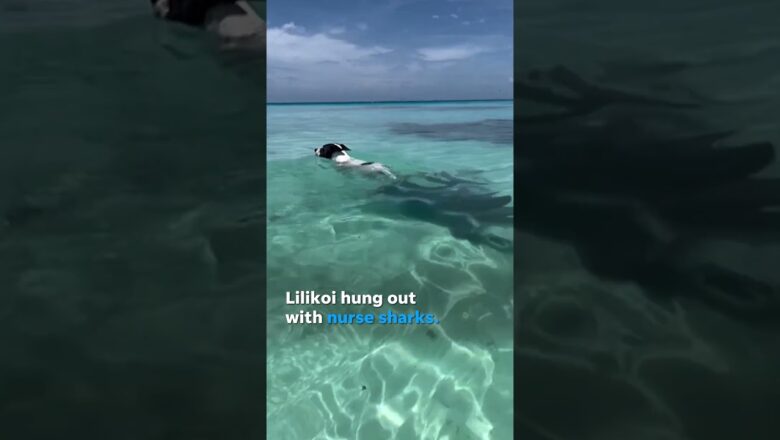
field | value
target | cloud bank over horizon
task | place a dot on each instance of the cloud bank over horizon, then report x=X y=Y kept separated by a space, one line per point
x=402 y=50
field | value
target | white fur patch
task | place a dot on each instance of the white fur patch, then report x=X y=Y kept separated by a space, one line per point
x=162 y=8
x=235 y=21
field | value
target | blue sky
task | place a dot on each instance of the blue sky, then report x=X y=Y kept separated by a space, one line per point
x=389 y=50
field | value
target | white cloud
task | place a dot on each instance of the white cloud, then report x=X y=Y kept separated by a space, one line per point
x=325 y=64
x=452 y=53
x=455 y=16
x=362 y=26
x=466 y=22
x=292 y=27
x=302 y=64
x=435 y=17
x=338 y=30
x=289 y=45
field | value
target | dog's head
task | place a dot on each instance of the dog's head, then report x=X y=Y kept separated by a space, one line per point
x=327 y=151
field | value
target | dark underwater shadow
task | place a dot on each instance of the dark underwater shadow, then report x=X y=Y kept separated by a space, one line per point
x=132 y=230
x=462 y=204
x=496 y=131
x=637 y=184
x=633 y=198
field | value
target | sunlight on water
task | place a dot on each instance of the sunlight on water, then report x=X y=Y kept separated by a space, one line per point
x=331 y=230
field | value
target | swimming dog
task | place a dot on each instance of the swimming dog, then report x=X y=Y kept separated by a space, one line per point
x=233 y=20
x=338 y=154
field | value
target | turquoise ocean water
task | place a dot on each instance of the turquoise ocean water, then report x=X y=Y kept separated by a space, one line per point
x=331 y=230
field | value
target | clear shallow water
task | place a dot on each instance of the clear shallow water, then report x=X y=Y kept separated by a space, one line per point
x=329 y=230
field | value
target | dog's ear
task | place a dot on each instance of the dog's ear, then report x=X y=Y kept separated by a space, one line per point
x=343 y=147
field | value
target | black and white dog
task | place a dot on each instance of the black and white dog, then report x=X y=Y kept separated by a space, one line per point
x=233 y=20
x=338 y=154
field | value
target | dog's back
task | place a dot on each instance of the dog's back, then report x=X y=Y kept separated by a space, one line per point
x=338 y=153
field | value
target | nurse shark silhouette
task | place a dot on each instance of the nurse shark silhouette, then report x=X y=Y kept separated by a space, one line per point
x=461 y=205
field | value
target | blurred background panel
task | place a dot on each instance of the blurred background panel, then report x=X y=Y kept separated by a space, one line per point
x=648 y=196
x=132 y=156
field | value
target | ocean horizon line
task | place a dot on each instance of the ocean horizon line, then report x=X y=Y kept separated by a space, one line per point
x=422 y=101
